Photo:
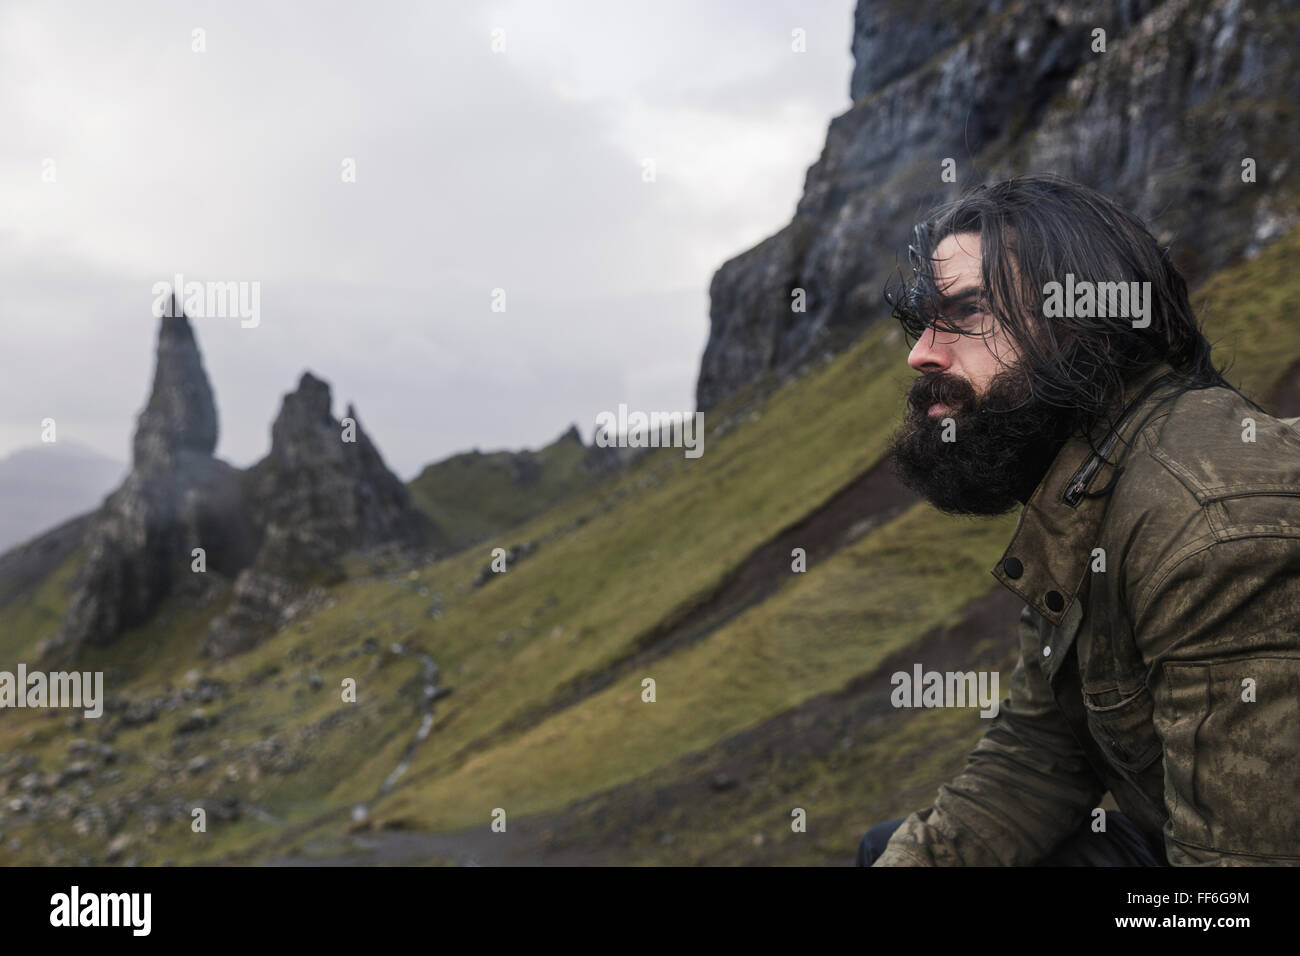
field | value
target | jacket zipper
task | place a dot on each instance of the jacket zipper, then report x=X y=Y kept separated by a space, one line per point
x=1079 y=483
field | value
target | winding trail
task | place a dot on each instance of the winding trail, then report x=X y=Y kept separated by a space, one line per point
x=431 y=693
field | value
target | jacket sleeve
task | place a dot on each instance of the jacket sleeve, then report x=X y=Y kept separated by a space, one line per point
x=1220 y=632
x=1026 y=786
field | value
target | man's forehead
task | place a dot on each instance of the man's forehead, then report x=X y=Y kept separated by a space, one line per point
x=957 y=266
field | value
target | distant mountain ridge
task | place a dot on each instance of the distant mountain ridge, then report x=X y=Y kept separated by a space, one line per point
x=43 y=485
x=474 y=495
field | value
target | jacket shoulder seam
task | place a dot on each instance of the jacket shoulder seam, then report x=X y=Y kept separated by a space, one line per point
x=1180 y=474
x=1208 y=535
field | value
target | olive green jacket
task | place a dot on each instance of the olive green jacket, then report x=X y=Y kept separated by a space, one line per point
x=1159 y=647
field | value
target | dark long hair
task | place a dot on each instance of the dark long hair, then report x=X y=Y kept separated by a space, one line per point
x=1034 y=230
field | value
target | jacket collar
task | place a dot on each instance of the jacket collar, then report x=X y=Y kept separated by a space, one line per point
x=1051 y=549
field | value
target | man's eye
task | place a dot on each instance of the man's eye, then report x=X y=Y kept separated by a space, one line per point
x=962 y=318
x=973 y=317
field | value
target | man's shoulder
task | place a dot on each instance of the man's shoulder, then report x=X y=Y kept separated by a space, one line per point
x=1205 y=467
x=1216 y=446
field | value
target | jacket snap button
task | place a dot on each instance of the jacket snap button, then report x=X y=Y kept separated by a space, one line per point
x=1047 y=652
x=1054 y=600
x=1013 y=567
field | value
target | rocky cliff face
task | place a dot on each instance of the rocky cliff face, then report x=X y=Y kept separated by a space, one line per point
x=1185 y=90
x=277 y=529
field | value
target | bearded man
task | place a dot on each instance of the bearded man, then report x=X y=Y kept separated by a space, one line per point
x=1157 y=551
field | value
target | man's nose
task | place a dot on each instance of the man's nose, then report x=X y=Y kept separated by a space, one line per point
x=927 y=355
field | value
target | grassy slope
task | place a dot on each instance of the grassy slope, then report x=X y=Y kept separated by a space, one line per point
x=30 y=619
x=510 y=646
x=475 y=495
x=656 y=539
x=821 y=629
x=1250 y=314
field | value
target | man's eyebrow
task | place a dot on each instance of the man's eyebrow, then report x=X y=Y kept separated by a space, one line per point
x=974 y=294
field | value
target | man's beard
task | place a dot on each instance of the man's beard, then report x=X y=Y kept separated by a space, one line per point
x=1002 y=443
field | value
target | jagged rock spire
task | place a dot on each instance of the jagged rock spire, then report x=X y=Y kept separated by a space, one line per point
x=323 y=490
x=177 y=497
x=181 y=413
x=335 y=481
x=279 y=529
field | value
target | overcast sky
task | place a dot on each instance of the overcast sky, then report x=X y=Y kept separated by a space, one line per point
x=475 y=170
